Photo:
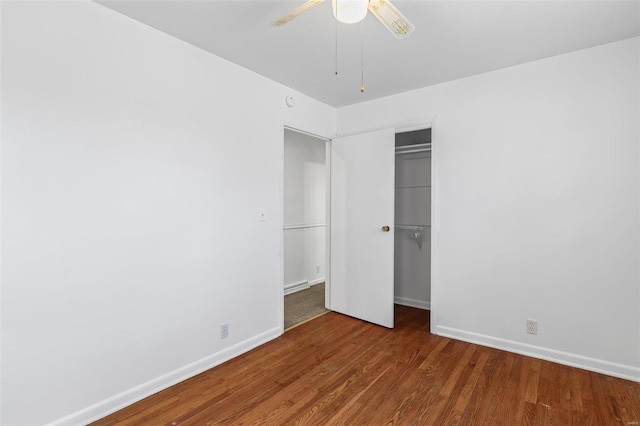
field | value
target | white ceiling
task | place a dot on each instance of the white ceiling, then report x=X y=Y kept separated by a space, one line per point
x=453 y=39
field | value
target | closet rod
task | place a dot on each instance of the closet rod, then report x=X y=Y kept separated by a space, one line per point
x=412 y=227
x=415 y=145
x=412 y=151
x=302 y=226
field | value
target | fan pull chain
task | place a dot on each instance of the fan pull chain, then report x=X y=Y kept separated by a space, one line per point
x=336 y=46
x=362 y=58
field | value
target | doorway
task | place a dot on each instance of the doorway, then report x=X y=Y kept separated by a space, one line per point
x=369 y=272
x=412 y=242
x=304 y=226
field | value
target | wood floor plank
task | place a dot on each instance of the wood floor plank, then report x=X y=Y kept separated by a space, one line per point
x=346 y=389
x=455 y=414
x=513 y=406
x=493 y=408
x=475 y=408
x=445 y=399
x=336 y=370
x=496 y=408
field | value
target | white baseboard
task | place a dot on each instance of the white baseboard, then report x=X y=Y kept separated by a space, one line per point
x=592 y=364
x=297 y=286
x=126 y=398
x=420 y=304
x=301 y=285
x=317 y=281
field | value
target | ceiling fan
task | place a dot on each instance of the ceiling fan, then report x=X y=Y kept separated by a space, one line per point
x=352 y=11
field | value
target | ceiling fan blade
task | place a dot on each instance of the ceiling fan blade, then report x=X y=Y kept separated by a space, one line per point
x=391 y=18
x=297 y=11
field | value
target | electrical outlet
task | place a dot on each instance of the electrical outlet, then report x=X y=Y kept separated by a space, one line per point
x=317 y=269
x=532 y=326
x=224 y=331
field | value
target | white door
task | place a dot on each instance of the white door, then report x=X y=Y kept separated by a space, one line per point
x=362 y=203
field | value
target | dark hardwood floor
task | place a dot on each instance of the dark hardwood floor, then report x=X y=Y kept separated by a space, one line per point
x=339 y=370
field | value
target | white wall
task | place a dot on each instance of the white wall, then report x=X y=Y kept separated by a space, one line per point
x=537 y=171
x=133 y=170
x=304 y=204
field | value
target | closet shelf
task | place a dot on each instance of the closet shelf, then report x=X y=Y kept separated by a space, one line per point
x=411 y=149
x=412 y=227
x=303 y=226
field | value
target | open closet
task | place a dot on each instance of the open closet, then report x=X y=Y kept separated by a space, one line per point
x=380 y=180
x=412 y=242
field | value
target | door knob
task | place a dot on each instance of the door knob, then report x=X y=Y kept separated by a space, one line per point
x=385 y=228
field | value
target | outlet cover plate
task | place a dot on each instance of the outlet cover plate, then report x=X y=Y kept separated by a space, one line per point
x=224 y=331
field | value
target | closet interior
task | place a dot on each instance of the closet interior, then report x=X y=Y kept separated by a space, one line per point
x=412 y=250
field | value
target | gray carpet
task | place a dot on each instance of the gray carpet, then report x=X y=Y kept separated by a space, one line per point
x=302 y=305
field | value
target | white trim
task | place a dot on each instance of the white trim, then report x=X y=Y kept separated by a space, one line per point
x=303 y=226
x=573 y=360
x=291 y=290
x=413 y=303
x=301 y=285
x=327 y=232
x=400 y=127
x=296 y=286
x=133 y=395
x=435 y=202
x=316 y=281
x=279 y=291
x=290 y=125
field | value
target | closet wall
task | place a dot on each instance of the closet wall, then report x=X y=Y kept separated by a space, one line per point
x=304 y=211
x=413 y=220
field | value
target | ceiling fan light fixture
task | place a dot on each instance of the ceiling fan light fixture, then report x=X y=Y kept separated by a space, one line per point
x=350 y=11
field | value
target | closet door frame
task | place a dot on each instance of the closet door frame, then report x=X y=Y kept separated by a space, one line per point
x=409 y=126
x=326 y=135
